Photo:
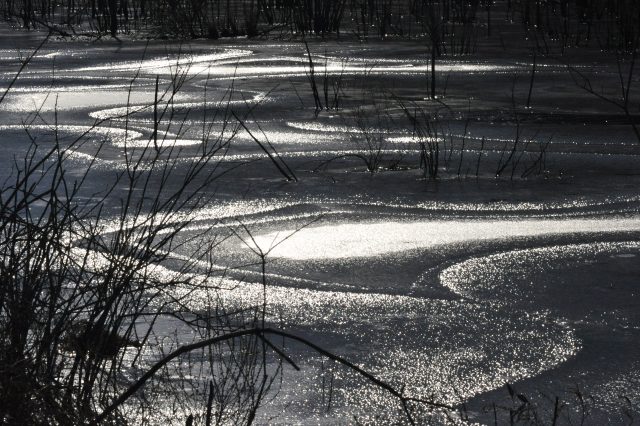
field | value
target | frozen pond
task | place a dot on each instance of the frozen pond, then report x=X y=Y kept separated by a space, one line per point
x=446 y=288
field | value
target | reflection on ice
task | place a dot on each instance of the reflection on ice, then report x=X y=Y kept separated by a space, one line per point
x=240 y=70
x=231 y=63
x=378 y=238
x=72 y=99
x=178 y=103
x=434 y=347
x=113 y=134
x=116 y=136
x=168 y=65
x=488 y=275
x=329 y=128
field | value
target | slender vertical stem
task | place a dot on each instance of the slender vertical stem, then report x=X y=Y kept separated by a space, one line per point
x=533 y=75
x=155 y=115
x=433 y=68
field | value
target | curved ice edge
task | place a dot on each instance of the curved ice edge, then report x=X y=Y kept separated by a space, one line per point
x=459 y=278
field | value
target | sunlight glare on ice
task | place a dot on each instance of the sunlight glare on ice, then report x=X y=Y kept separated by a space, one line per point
x=379 y=238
